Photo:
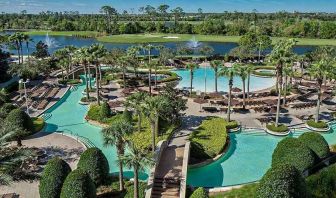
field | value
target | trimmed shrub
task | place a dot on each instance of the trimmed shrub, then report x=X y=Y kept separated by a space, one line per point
x=105 y=110
x=6 y=109
x=199 y=193
x=53 y=177
x=91 y=99
x=19 y=118
x=232 y=125
x=317 y=143
x=281 y=128
x=78 y=184
x=94 y=162
x=292 y=151
x=282 y=181
x=127 y=116
x=317 y=125
x=323 y=184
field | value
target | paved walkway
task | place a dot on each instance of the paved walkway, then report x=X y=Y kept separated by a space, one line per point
x=175 y=150
x=54 y=144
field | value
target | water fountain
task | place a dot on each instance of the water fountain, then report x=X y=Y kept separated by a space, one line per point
x=51 y=42
x=193 y=43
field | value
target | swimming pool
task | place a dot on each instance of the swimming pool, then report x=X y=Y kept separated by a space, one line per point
x=257 y=83
x=68 y=116
x=247 y=160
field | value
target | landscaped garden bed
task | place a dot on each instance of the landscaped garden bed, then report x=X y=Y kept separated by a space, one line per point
x=319 y=126
x=70 y=81
x=86 y=100
x=38 y=124
x=209 y=140
x=280 y=130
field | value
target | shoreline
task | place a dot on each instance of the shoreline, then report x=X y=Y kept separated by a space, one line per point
x=163 y=38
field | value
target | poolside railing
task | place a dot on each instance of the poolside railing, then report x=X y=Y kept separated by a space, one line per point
x=85 y=141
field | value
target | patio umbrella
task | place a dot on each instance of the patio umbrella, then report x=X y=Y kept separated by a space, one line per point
x=200 y=101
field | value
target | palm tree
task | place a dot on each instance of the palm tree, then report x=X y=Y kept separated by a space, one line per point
x=191 y=67
x=133 y=52
x=319 y=70
x=287 y=72
x=123 y=63
x=280 y=55
x=27 y=39
x=116 y=135
x=250 y=69
x=149 y=49
x=97 y=51
x=136 y=102
x=14 y=38
x=138 y=160
x=242 y=72
x=229 y=72
x=216 y=65
x=152 y=108
x=82 y=56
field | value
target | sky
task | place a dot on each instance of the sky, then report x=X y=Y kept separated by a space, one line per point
x=93 y=6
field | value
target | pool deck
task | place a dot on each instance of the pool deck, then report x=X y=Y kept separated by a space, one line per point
x=45 y=141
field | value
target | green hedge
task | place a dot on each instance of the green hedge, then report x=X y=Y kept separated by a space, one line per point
x=248 y=190
x=199 y=193
x=53 y=177
x=281 y=128
x=232 y=125
x=90 y=99
x=317 y=143
x=94 y=162
x=6 y=109
x=282 y=181
x=105 y=111
x=69 y=81
x=94 y=113
x=292 y=151
x=209 y=139
x=318 y=125
x=78 y=184
x=323 y=183
x=19 y=118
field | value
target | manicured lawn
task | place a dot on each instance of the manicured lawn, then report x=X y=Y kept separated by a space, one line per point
x=245 y=191
x=63 y=33
x=38 y=124
x=160 y=38
x=209 y=139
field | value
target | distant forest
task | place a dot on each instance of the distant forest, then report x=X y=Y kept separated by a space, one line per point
x=163 y=19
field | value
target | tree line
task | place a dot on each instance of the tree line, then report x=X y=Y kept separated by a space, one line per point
x=164 y=19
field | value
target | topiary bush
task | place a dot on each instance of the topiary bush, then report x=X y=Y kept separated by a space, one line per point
x=94 y=162
x=199 y=193
x=317 y=143
x=19 y=118
x=292 y=151
x=281 y=128
x=105 y=110
x=6 y=109
x=53 y=177
x=127 y=115
x=78 y=184
x=282 y=181
x=323 y=183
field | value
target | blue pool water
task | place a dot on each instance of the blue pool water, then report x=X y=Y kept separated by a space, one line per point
x=68 y=116
x=247 y=160
x=257 y=83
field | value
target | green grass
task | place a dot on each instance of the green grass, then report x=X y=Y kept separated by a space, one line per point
x=281 y=128
x=317 y=125
x=38 y=124
x=160 y=38
x=209 y=139
x=245 y=191
x=63 y=33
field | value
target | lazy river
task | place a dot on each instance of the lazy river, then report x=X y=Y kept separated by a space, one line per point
x=68 y=116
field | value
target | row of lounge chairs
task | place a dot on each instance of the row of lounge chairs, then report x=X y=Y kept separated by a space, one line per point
x=304 y=105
